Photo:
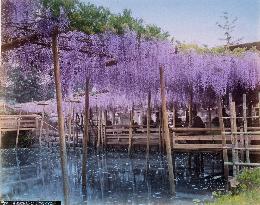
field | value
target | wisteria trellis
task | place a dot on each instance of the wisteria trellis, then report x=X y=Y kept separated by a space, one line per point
x=138 y=59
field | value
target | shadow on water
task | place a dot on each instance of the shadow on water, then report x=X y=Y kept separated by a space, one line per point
x=113 y=177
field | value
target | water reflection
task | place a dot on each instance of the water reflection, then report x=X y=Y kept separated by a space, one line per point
x=113 y=178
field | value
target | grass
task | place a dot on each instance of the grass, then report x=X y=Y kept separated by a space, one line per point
x=245 y=198
x=246 y=193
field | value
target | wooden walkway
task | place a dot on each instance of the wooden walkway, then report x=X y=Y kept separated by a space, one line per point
x=21 y=122
x=181 y=138
x=18 y=123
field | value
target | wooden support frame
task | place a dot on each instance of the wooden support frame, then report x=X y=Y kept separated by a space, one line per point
x=234 y=138
x=224 y=140
x=246 y=140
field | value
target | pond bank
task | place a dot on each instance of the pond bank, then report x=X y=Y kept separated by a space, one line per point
x=247 y=191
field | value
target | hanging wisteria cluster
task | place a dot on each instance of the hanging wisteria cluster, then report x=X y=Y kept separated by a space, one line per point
x=135 y=70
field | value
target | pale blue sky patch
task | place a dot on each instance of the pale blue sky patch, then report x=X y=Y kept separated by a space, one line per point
x=193 y=21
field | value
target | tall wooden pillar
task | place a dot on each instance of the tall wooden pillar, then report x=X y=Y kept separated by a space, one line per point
x=130 y=131
x=99 y=129
x=63 y=152
x=0 y=140
x=148 y=124
x=233 y=134
x=85 y=135
x=160 y=130
x=18 y=129
x=70 y=122
x=173 y=125
x=167 y=132
x=104 y=128
x=245 y=128
x=224 y=141
x=190 y=110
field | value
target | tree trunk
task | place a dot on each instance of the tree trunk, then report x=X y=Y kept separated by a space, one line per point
x=85 y=136
x=167 y=133
x=63 y=153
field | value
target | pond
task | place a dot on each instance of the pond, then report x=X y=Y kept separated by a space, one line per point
x=113 y=177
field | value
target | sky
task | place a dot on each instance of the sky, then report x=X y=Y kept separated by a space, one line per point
x=193 y=21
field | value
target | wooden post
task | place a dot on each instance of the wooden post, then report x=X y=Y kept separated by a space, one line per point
x=173 y=126
x=41 y=125
x=48 y=135
x=70 y=122
x=99 y=129
x=160 y=130
x=173 y=135
x=209 y=113
x=259 y=108
x=73 y=125
x=242 y=144
x=0 y=140
x=85 y=135
x=148 y=128
x=63 y=153
x=113 y=117
x=190 y=110
x=104 y=130
x=234 y=137
x=167 y=133
x=245 y=127
x=232 y=132
x=130 y=131
x=224 y=140
x=163 y=132
x=18 y=129
x=36 y=126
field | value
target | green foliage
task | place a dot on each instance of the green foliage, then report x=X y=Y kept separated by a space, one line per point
x=249 y=179
x=153 y=31
x=247 y=192
x=91 y=19
x=23 y=88
x=69 y=6
x=244 y=198
x=183 y=47
x=119 y=23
